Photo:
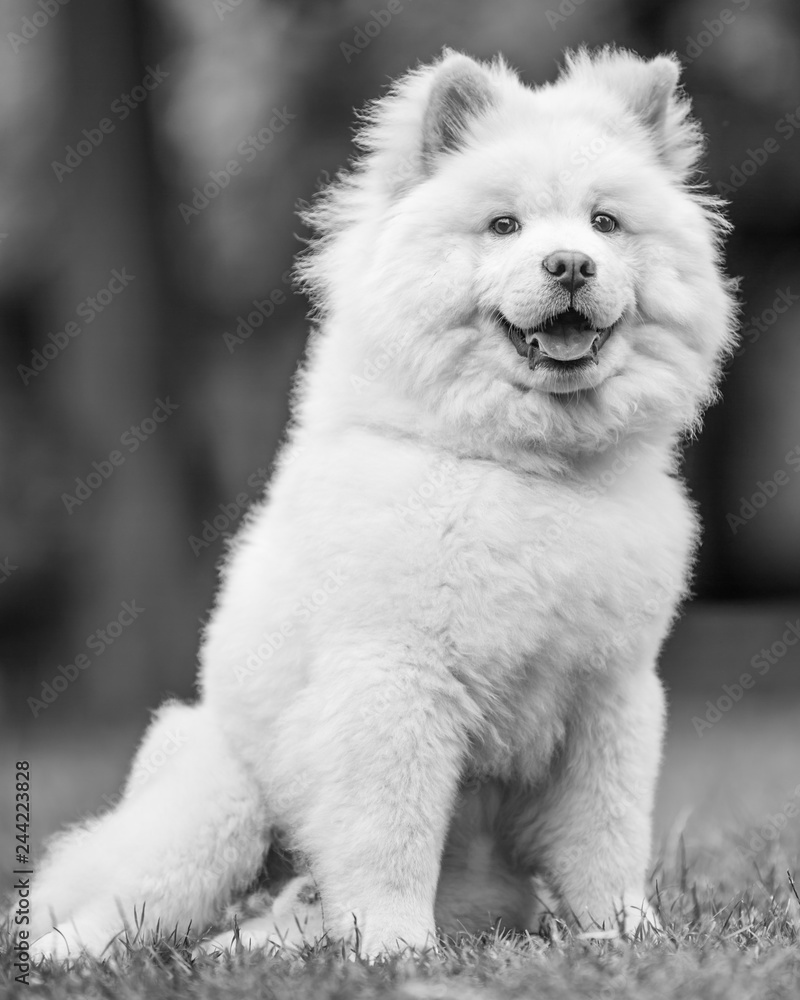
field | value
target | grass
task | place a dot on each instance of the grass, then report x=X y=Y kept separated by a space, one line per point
x=731 y=917
x=741 y=947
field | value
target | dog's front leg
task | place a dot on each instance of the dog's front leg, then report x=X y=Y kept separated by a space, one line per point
x=590 y=832
x=383 y=745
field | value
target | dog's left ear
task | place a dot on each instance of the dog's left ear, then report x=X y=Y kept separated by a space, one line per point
x=461 y=91
x=649 y=88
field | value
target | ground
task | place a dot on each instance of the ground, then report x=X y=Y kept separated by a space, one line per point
x=727 y=833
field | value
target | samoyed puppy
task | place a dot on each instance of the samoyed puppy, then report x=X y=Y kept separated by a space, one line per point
x=431 y=669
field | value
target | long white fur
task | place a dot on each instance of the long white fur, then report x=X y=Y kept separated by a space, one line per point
x=432 y=658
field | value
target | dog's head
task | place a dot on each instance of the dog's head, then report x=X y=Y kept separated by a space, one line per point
x=527 y=268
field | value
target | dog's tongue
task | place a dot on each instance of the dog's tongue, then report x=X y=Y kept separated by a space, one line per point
x=563 y=342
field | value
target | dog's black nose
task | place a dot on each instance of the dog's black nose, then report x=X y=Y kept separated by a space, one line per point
x=570 y=268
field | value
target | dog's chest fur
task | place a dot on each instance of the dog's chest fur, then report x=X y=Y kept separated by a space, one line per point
x=547 y=587
x=528 y=588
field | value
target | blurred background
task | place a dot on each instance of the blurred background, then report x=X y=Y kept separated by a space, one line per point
x=154 y=156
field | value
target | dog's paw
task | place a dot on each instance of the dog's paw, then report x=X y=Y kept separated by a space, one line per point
x=293 y=921
x=377 y=935
x=641 y=921
x=377 y=944
x=260 y=932
x=632 y=918
x=66 y=943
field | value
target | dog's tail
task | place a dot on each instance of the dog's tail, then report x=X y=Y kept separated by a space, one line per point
x=187 y=832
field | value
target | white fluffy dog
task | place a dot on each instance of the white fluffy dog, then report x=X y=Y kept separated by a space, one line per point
x=432 y=663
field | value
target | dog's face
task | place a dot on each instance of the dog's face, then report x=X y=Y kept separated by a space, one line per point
x=560 y=248
x=551 y=280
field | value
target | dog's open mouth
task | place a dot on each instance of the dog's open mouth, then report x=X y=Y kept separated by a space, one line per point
x=563 y=342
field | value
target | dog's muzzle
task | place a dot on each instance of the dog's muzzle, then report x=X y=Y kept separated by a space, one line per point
x=564 y=341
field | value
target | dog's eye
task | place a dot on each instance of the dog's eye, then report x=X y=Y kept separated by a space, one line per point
x=604 y=223
x=505 y=225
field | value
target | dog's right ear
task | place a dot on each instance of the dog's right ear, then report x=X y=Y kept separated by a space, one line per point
x=427 y=114
x=461 y=91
